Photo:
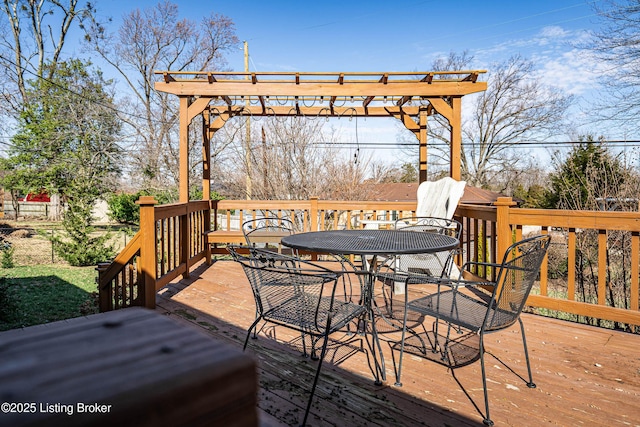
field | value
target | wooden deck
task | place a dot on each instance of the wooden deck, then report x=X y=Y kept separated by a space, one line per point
x=585 y=376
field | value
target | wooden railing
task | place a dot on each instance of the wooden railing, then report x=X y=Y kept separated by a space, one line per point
x=120 y=283
x=309 y=215
x=487 y=233
x=170 y=241
x=595 y=238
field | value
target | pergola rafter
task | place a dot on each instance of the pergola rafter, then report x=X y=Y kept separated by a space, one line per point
x=408 y=97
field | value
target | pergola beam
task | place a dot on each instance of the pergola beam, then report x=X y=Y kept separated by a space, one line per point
x=197 y=106
x=315 y=111
x=242 y=88
x=406 y=120
x=442 y=107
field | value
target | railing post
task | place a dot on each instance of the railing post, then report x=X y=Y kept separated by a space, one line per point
x=105 y=296
x=313 y=212
x=185 y=240
x=504 y=238
x=148 y=262
x=214 y=208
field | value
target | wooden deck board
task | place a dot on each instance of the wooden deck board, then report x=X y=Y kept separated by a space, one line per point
x=584 y=375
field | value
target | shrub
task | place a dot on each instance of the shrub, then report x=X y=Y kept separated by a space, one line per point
x=123 y=208
x=85 y=251
x=81 y=247
x=6 y=254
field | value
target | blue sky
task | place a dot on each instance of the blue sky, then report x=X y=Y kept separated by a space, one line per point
x=393 y=36
x=406 y=36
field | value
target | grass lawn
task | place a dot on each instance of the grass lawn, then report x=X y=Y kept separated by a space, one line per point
x=36 y=294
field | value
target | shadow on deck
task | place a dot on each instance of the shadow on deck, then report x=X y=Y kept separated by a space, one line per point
x=584 y=375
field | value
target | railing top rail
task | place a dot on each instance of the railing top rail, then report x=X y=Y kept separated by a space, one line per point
x=306 y=204
x=263 y=204
x=597 y=220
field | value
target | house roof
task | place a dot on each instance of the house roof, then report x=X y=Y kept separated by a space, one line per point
x=406 y=192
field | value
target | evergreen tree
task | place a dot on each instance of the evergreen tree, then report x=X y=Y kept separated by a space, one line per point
x=589 y=175
x=66 y=145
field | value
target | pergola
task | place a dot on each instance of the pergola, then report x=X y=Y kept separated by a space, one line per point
x=409 y=97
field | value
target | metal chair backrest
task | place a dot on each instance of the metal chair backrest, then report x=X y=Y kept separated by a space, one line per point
x=300 y=295
x=516 y=276
x=449 y=227
x=267 y=232
x=276 y=279
x=439 y=264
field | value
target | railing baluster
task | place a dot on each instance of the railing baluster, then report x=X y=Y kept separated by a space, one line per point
x=602 y=267
x=635 y=262
x=544 y=268
x=571 y=264
x=164 y=259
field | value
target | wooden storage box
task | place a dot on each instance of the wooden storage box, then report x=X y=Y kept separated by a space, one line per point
x=131 y=367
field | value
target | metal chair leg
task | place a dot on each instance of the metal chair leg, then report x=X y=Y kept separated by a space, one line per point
x=315 y=380
x=251 y=328
x=404 y=332
x=380 y=366
x=530 y=384
x=255 y=328
x=486 y=421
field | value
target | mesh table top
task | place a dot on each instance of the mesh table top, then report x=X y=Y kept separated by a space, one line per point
x=371 y=242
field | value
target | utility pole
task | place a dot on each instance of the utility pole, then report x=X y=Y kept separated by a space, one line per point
x=264 y=163
x=247 y=124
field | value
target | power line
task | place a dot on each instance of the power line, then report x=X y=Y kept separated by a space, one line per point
x=86 y=98
x=532 y=144
x=391 y=145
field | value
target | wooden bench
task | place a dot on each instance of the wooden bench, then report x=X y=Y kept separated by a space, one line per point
x=222 y=237
x=130 y=367
x=225 y=237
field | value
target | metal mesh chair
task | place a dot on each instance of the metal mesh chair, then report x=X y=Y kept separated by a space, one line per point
x=467 y=304
x=267 y=232
x=396 y=272
x=301 y=296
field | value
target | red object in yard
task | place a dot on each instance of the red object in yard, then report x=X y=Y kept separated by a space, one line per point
x=42 y=197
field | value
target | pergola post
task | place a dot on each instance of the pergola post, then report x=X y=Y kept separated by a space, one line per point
x=422 y=137
x=206 y=155
x=184 y=150
x=455 y=165
x=206 y=173
x=188 y=110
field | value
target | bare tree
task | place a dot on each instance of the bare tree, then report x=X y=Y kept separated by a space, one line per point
x=346 y=179
x=34 y=36
x=617 y=46
x=528 y=183
x=514 y=108
x=385 y=173
x=286 y=162
x=157 y=39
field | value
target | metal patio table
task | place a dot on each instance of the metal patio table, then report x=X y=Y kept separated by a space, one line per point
x=371 y=243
